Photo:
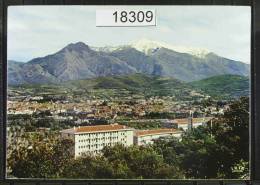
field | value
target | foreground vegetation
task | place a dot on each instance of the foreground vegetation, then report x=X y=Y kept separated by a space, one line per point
x=219 y=150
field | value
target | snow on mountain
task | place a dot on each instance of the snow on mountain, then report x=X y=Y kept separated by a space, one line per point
x=105 y=48
x=148 y=46
x=78 y=61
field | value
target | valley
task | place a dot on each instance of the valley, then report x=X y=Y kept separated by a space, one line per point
x=152 y=95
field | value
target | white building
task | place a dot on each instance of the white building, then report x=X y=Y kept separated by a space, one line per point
x=93 y=138
x=144 y=137
x=188 y=123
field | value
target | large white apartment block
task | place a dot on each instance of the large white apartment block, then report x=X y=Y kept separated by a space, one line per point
x=92 y=139
x=144 y=137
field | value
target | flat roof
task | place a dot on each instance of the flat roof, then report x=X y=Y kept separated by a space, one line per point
x=194 y=120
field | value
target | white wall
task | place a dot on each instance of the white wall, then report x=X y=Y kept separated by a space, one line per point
x=148 y=139
x=94 y=142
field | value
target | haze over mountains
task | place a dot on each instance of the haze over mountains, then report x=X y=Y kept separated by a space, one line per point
x=80 y=61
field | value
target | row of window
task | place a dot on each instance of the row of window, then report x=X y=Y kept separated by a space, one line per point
x=93 y=144
x=98 y=139
x=102 y=133
x=97 y=145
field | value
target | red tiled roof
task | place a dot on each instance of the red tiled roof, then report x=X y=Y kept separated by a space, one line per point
x=97 y=128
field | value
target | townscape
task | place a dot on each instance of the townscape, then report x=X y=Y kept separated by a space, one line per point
x=127 y=122
x=158 y=117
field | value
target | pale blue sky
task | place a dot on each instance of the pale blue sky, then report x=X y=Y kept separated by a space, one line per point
x=36 y=31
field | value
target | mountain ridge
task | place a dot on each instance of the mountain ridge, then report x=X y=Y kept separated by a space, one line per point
x=79 y=61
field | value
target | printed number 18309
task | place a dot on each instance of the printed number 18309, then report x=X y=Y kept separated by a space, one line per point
x=130 y=17
x=133 y=16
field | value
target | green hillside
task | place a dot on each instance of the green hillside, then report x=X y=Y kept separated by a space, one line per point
x=137 y=84
x=142 y=86
x=223 y=86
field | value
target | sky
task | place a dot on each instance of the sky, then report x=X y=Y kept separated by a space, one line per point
x=37 y=31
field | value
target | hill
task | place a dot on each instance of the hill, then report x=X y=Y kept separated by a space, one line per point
x=223 y=86
x=143 y=86
x=136 y=84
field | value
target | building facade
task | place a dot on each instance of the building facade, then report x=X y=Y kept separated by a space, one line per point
x=144 y=137
x=92 y=139
x=187 y=123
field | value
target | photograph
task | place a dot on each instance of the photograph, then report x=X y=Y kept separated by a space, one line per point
x=89 y=98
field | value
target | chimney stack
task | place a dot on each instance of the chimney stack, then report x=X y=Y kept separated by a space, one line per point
x=190 y=123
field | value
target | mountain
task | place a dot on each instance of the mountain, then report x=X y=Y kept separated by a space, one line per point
x=80 y=61
x=149 y=46
x=27 y=73
x=189 y=68
x=75 y=61
x=223 y=85
x=182 y=66
x=141 y=62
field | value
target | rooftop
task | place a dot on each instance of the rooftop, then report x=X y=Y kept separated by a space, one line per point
x=97 y=128
x=156 y=131
x=194 y=120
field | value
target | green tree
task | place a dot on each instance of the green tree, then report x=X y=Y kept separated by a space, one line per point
x=88 y=167
x=142 y=162
x=231 y=132
x=40 y=158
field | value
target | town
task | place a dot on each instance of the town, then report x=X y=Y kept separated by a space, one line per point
x=95 y=123
x=101 y=128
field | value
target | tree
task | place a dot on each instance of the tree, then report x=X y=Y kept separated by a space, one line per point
x=220 y=151
x=33 y=162
x=40 y=158
x=88 y=167
x=231 y=132
x=140 y=162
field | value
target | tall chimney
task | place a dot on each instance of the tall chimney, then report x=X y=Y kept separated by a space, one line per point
x=190 y=123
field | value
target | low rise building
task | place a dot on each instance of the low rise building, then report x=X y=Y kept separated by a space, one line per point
x=188 y=123
x=93 y=138
x=144 y=137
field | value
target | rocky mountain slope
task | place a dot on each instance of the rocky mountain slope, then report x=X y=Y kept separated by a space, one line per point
x=79 y=61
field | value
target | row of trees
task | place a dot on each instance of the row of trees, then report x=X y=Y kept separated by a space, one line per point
x=220 y=150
